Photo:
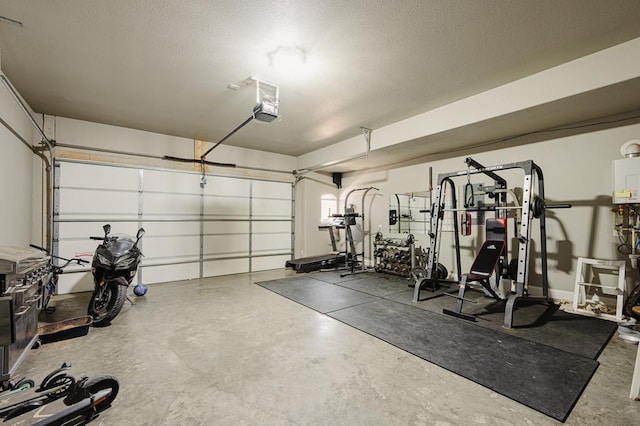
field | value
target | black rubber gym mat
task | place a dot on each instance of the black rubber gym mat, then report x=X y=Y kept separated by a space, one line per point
x=582 y=335
x=544 y=378
x=545 y=362
x=315 y=294
x=381 y=285
x=375 y=285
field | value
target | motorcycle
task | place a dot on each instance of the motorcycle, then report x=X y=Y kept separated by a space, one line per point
x=114 y=266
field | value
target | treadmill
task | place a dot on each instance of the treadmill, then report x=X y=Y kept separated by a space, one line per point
x=331 y=260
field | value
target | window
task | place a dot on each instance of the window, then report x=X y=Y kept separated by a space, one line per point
x=328 y=207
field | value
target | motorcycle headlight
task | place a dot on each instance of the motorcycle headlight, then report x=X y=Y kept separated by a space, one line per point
x=126 y=262
x=103 y=260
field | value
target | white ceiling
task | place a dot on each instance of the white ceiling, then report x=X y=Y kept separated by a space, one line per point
x=164 y=65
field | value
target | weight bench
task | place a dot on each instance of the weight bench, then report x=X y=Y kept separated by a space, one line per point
x=481 y=270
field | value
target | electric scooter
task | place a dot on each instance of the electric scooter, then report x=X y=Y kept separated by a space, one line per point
x=59 y=399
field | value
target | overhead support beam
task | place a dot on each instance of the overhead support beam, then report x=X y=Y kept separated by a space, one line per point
x=596 y=72
x=367 y=139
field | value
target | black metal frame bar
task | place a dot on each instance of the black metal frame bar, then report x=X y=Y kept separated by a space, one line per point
x=531 y=170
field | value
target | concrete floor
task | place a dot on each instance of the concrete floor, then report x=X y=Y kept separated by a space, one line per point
x=224 y=351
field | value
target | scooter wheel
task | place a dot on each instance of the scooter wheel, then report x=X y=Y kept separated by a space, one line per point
x=99 y=383
x=24 y=384
x=63 y=379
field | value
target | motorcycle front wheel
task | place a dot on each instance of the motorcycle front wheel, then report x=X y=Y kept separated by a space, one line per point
x=106 y=302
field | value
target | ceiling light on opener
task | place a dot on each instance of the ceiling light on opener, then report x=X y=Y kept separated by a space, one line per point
x=267 y=102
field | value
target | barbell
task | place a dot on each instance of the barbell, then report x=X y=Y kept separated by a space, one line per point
x=537 y=207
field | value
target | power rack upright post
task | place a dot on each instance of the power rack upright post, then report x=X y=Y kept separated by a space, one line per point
x=351 y=244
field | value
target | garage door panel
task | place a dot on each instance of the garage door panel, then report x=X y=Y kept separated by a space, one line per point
x=268 y=262
x=226 y=244
x=178 y=183
x=77 y=248
x=164 y=229
x=171 y=205
x=166 y=273
x=266 y=189
x=168 y=247
x=184 y=224
x=214 y=268
x=271 y=226
x=95 y=176
x=81 y=203
x=83 y=230
x=272 y=242
x=268 y=208
x=225 y=227
x=75 y=282
x=224 y=186
x=226 y=207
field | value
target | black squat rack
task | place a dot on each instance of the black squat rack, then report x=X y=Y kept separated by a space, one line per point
x=532 y=206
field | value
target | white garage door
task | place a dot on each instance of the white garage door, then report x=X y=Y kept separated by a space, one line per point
x=232 y=225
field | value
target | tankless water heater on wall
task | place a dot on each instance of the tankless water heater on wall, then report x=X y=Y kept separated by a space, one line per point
x=626 y=181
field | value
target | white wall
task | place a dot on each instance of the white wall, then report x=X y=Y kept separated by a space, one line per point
x=577 y=169
x=309 y=240
x=16 y=163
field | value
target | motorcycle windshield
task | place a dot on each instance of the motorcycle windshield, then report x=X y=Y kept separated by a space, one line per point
x=121 y=245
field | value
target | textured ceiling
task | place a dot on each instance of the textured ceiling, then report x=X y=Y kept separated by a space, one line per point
x=164 y=65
